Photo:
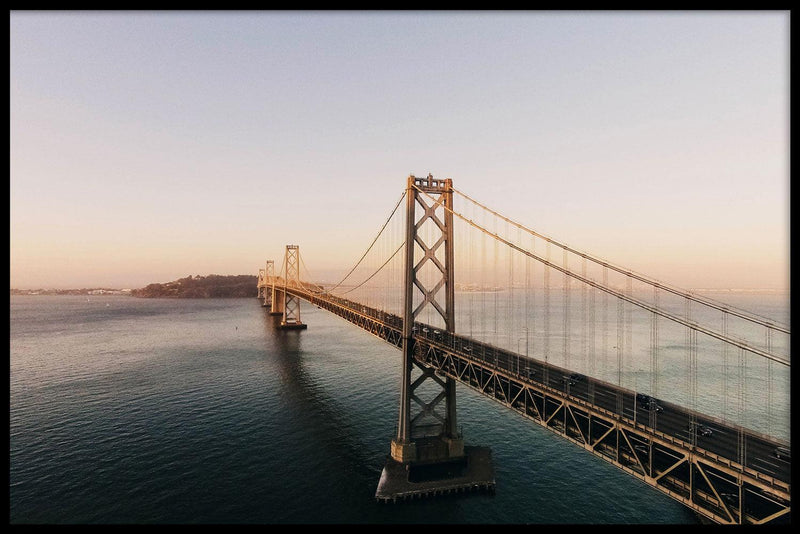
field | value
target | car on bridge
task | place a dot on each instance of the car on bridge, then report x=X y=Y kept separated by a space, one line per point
x=653 y=406
x=783 y=453
x=648 y=403
x=573 y=379
x=699 y=429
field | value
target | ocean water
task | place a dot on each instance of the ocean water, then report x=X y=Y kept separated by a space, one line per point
x=159 y=411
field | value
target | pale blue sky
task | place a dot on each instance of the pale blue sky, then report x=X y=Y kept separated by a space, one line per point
x=146 y=146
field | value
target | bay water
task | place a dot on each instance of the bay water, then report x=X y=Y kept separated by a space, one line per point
x=172 y=411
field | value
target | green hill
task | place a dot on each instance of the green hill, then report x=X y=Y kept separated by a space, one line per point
x=200 y=287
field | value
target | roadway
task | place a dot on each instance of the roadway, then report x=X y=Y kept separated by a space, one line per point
x=710 y=434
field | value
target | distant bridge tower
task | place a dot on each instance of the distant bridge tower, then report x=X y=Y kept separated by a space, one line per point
x=266 y=283
x=291 y=303
x=262 y=285
x=428 y=435
x=278 y=296
x=269 y=277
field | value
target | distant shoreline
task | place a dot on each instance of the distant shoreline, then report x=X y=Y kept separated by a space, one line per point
x=211 y=286
x=86 y=292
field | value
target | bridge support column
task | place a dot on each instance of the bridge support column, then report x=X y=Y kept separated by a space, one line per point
x=404 y=452
x=278 y=299
x=428 y=453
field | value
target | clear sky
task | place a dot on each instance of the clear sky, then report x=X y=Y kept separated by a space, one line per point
x=148 y=146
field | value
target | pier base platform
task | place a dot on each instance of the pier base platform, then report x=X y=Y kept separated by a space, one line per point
x=294 y=326
x=472 y=472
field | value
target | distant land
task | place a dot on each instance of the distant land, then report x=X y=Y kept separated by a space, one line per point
x=211 y=286
x=83 y=291
x=244 y=285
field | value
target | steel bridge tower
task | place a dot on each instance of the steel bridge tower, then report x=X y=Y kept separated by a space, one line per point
x=428 y=456
x=266 y=284
x=262 y=286
x=412 y=430
x=290 y=304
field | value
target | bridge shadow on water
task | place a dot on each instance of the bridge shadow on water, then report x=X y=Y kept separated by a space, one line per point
x=334 y=452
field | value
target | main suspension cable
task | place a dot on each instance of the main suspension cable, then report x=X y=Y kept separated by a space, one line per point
x=371 y=244
x=376 y=272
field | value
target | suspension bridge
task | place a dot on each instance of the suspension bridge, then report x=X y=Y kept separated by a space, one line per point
x=688 y=394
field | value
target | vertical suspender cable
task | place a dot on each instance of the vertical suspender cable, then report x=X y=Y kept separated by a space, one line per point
x=654 y=347
x=471 y=272
x=496 y=283
x=769 y=382
x=689 y=398
x=605 y=322
x=584 y=334
x=566 y=314
x=693 y=352
x=483 y=285
x=620 y=343
x=531 y=328
x=510 y=310
x=724 y=368
x=742 y=415
x=628 y=356
x=547 y=307
x=527 y=261
x=592 y=334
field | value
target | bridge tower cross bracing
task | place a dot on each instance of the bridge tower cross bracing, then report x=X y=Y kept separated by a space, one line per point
x=410 y=428
x=266 y=284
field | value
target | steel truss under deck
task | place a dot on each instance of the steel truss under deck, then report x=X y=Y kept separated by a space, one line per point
x=714 y=490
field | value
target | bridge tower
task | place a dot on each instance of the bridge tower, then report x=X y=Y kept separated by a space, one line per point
x=266 y=283
x=262 y=286
x=278 y=296
x=269 y=280
x=290 y=303
x=415 y=440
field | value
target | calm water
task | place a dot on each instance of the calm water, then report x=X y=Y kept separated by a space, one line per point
x=126 y=410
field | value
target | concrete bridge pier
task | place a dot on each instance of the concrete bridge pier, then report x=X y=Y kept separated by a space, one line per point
x=278 y=300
